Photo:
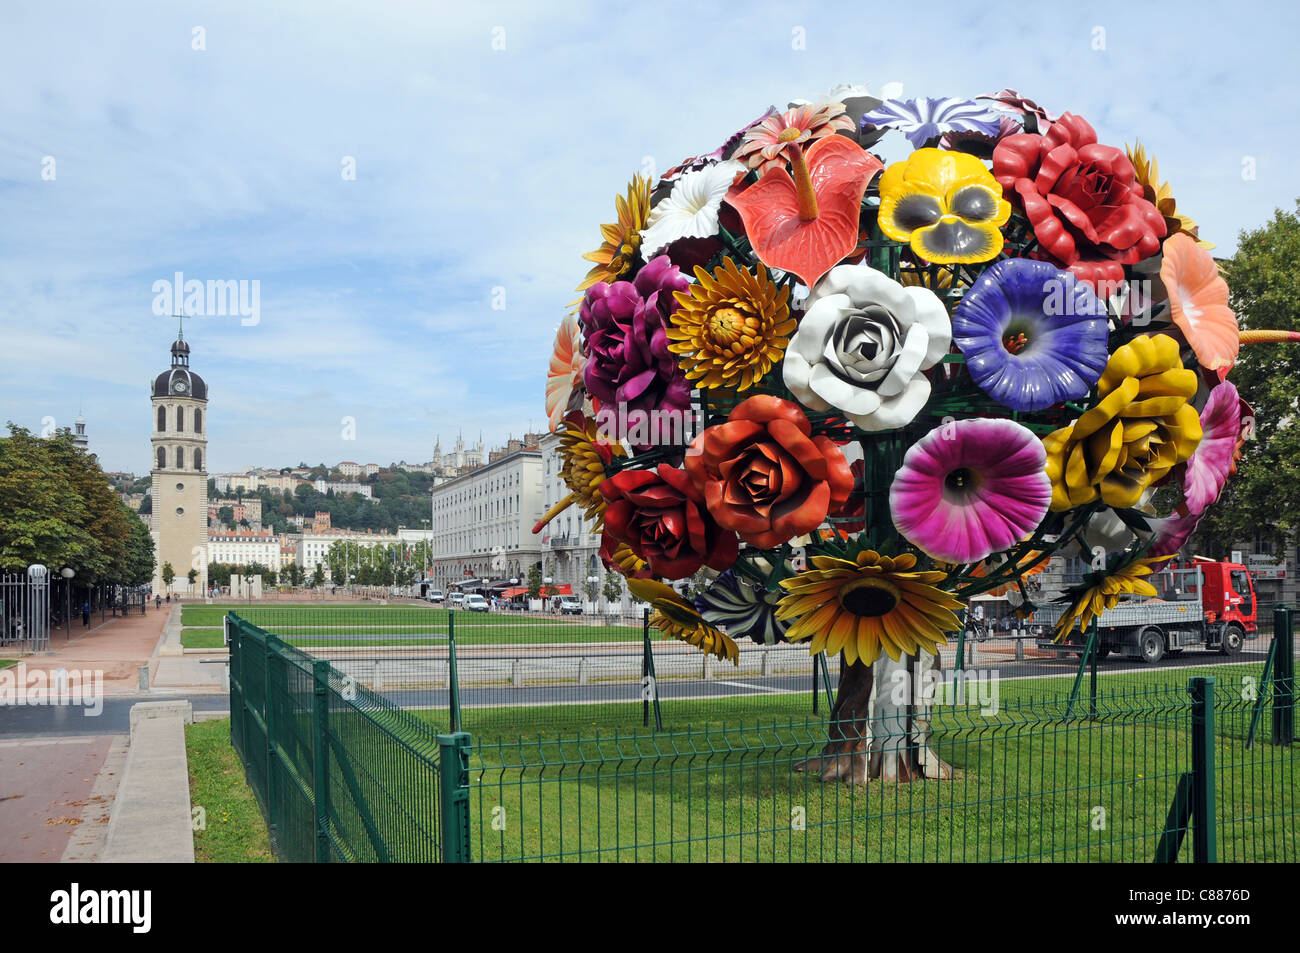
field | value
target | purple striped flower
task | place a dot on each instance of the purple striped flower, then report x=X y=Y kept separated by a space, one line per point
x=925 y=120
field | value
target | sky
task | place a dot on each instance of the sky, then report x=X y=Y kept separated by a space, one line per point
x=412 y=185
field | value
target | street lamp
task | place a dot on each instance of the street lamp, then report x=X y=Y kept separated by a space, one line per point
x=67 y=575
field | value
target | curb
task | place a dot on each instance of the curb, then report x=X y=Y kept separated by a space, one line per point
x=150 y=822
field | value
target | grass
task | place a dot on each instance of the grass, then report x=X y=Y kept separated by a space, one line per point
x=202 y=639
x=349 y=625
x=6 y=662
x=235 y=831
x=723 y=783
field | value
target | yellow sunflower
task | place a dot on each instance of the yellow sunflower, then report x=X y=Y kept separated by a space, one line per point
x=628 y=562
x=1105 y=594
x=622 y=239
x=730 y=327
x=583 y=457
x=857 y=606
x=1161 y=195
x=675 y=617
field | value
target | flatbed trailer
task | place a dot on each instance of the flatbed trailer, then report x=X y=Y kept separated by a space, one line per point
x=1206 y=604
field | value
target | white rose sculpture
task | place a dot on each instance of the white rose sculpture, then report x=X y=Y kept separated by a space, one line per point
x=862 y=345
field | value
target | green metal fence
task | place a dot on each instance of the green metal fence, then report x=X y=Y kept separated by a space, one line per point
x=341 y=774
x=1201 y=772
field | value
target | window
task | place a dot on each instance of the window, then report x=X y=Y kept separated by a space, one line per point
x=180 y=458
x=198 y=421
x=180 y=418
x=180 y=486
x=162 y=455
x=198 y=457
x=162 y=420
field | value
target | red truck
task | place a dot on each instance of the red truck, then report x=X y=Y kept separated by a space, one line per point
x=1202 y=603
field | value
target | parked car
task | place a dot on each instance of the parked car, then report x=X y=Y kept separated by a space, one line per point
x=457 y=598
x=435 y=595
x=568 y=605
x=475 y=603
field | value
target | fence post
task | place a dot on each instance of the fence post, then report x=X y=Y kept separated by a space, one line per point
x=1284 y=678
x=268 y=718
x=649 y=684
x=1204 y=806
x=453 y=776
x=453 y=676
x=320 y=670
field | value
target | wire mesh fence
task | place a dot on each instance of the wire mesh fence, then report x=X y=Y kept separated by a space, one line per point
x=1135 y=774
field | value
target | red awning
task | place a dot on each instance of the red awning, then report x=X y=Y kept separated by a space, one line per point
x=562 y=590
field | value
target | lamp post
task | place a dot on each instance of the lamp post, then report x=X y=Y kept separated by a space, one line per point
x=67 y=575
x=591 y=583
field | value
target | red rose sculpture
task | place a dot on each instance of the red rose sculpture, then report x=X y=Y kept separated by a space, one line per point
x=661 y=517
x=764 y=475
x=1083 y=199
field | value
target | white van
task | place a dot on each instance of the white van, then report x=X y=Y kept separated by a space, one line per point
x=435 y=595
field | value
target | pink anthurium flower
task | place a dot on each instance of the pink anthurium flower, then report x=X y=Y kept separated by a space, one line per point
x=809 y=223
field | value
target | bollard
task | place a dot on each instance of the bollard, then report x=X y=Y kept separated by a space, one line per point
x=377 y=683
x=1020 y=645
x=582 y=671
x=144 y=678
x=516 y=673
x=708 y=666
x=763 y=669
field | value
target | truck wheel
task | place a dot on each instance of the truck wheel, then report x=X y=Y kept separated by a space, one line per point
x=1152 y=644
x=1232 y=639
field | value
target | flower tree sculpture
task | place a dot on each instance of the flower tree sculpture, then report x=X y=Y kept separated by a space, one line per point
x=905 y=384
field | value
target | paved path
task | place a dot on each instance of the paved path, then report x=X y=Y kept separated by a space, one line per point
x=55 y=793
x=117 y=648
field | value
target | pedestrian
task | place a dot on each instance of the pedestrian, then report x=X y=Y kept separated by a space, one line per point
x=85 y=614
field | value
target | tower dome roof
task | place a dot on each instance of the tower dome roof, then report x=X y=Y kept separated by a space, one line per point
x=180 y=381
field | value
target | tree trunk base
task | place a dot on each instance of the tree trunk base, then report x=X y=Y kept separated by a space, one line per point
x=888 y=740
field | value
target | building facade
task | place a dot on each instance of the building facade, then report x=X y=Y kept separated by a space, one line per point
x=179 y=521
x=482 y=522
x=242 y=549
x=570 y=544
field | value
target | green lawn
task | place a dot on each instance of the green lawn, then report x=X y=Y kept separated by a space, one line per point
x=235 y=831
x=6 y=662
x=202 y=639
x=723 y=782
x=406 y=625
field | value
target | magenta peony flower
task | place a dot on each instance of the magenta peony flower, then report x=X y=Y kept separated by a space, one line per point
x=625 y=329
x=971 y=488
x=1172 y=532
x=1209 y=467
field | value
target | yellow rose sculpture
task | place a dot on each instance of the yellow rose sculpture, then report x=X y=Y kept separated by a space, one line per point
x=1141 y=428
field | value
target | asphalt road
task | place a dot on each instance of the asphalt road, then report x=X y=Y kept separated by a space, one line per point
x=34 y=721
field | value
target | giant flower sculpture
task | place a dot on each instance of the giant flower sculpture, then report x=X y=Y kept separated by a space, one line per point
x=882 y=391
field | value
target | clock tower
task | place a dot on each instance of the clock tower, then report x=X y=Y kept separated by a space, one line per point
x=179 y=523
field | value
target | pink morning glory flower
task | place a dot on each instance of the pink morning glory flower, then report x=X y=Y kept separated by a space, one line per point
x=971 y=488
x=1209 y=467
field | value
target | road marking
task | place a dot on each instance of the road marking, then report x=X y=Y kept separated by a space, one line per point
x=760 y=688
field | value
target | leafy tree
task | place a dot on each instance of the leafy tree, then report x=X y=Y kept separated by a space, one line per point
x=146 y=505
x=168 y=574
x=219 y=574
x=192 y=576
x=591 y=588
x=613 y=587
x=226 y=515
x=1262 y=500
x=534 y=581
x=318 y=575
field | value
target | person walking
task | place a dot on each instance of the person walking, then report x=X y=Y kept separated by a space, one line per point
x=85 y=614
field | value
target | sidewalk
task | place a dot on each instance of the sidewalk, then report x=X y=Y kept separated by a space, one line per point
x=118 y=648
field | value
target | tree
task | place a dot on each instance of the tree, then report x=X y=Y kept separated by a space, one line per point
x=613 y=587
x=1263 y=499
x=192 y=576
x=226 y=515
x=318 y=576
x=534 y=581
x=591 y=588
x=219 y=575
x=168 y=574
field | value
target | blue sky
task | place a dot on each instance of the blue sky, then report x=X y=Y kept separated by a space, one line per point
x=480 y=168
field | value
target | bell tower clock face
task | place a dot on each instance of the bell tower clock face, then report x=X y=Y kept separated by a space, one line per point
x=179 y=387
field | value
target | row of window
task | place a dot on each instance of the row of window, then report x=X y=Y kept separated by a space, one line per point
x=179 y=458
x=180 y=419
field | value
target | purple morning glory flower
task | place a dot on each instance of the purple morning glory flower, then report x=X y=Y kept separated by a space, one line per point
x=1032 y=334
x=924 y=120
